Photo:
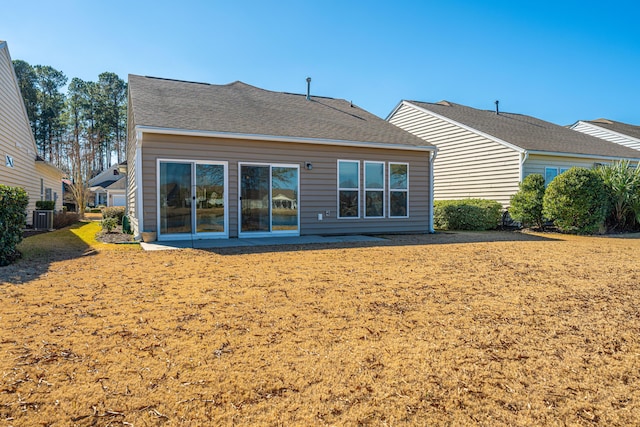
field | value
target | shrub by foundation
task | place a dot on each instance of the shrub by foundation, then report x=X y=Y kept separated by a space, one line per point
x=526 y=204
x=467 y=214
x=116 y=212
x=576 y=201
x=13 y=205
x=65 y=219
x=45 y=205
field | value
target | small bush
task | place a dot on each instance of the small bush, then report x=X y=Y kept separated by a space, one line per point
x=116 y=212
x=526 y=204
x=65 y=219
x=108 y=224
x=467 y=214
x=13 y=205
x=94 y=210
x=622 y=185
x=46 y=205
x=576 y=201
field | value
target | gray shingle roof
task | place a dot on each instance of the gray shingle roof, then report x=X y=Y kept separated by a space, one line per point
x=243 y=109
x=528 y=133
x=623 y=128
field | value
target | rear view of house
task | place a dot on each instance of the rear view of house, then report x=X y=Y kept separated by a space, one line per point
x=20 y=166
x=487 y=153
x=220 y=161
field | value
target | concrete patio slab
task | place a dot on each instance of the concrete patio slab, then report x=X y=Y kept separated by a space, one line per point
x=248 y=242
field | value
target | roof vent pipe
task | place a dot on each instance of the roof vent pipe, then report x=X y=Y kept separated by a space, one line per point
x=308 y=88
x=497 y=109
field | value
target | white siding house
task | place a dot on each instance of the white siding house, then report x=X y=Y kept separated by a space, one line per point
x=486 y=153
x=617 y=132
x=19 y=164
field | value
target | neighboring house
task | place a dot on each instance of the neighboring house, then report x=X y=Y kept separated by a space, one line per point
x=620 y=133
x=20 y=166
x=108 y=187
x=486 y=154
x=220 y=161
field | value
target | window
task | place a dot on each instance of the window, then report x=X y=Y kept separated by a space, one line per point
x=8 y=161
x=398 y=190
x=551 y=173
x=374 y=189
x=47 y=194
x=348 y=189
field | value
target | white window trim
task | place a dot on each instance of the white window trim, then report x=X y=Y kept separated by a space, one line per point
x=271 y=233
x=347 y=189
x=194 y=235
x=558 y=171
x=380 y=189
x=406 y=190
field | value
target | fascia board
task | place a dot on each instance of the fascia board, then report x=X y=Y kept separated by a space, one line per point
x=397 y=107
x=463 y=126
x=301 y=140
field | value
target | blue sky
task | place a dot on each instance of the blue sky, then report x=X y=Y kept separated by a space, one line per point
x=560 y=61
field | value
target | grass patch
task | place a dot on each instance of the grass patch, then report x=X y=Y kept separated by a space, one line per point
x=409 y=332
x=79 y=237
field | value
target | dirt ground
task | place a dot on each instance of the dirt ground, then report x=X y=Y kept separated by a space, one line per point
x=455 y=329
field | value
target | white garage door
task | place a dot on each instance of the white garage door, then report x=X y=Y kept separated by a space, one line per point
x=118 y=200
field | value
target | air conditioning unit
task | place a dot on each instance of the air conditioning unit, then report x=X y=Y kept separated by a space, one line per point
x=42 y=220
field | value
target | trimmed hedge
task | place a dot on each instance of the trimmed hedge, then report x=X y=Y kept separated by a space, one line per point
x=466 y=214
x=13 y=206
x=46 y=205
x=576 y=201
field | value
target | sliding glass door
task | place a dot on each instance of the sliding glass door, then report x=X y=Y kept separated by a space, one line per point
x=269 y=200
x=192 y=200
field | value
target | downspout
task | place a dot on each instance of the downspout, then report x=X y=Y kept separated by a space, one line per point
x=523 y=158
x=432 y=158
x=138 y=174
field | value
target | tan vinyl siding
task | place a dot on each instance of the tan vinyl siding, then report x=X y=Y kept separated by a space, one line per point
x=16 y=139
x=537 y=163
x=607 y=135
x=468 y=164
x=318 y=187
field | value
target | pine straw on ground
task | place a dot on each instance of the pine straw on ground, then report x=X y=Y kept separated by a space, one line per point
x=420 y=330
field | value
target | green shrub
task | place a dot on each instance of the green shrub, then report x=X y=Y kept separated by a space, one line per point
x=467 y=214
x=576 y=201
x=526 y=204
x=13 y=205
x=108 y=224
x=46 y=205
x=622 y=184
x=116 y=212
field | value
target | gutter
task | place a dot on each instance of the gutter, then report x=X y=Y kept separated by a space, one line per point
x=432 y=158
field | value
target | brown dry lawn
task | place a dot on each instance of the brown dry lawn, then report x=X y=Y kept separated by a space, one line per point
x=447 y=329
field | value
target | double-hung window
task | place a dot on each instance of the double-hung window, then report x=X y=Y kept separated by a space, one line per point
x=374 y=189
x=348 y=188
x=399 y=190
